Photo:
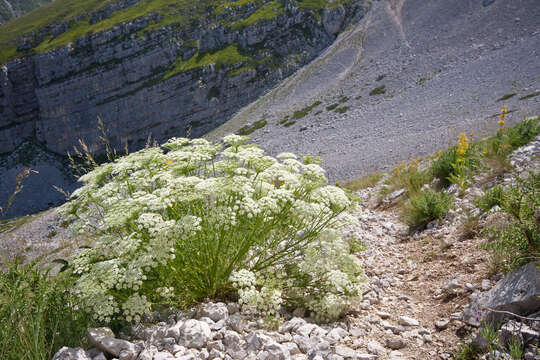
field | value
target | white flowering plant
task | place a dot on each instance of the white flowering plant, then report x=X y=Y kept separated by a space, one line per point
x=172 y=223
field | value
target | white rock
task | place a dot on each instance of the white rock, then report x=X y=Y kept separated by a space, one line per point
x=408 y=321
x=375 y=348
x=66 y=353
x=292 y=325
x=345 y=351
x=216 y=312
x=276 y=351
x=366 y=357
x=103 y=339
x=305 y=330
x=336 y=334
x=292 y=347
x=163 y=355
x=195 y=334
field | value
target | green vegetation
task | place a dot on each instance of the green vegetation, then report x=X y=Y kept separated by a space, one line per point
x=506 y=97
x=198 y=241
x=303 y=112
x=344 y=99
x=364 y=182
x=290 y=123
x=425 y=207
x=492 y=197
x=248 y=129
x=407 y=176
x=380 y=77
x=378 y=90
x=342 y=110
x=530 y=96
x=517 y=243
x=266 y=12
x=332 y=107
x=226 y=56
x=38 y=314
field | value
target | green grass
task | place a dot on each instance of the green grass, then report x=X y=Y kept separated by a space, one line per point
x=378 y=90
x=172 y=11
x=266 y=12
x=226 y=56
x=332 y=107
x=37 y=314
x=529 y=96
x=290 y=123
x=248 y=129
x=364 y=182
x=303 y=112
x=342 y=110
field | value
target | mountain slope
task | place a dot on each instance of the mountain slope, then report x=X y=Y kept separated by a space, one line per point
x=443 y=66
x=159 y=68
x=10 y=9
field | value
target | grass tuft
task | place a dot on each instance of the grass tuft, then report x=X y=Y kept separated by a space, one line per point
x=378 y=90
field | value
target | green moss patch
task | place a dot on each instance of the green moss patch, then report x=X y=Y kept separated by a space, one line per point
x=248 y=129
x=301 y=113
x=342 y=110
x=378 y=90
x=332 y=107
x=226 y=56
x=529 y=96
x=266 y=12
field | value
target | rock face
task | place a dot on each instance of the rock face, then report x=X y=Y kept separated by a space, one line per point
x=518 y=292
x=10 y=9
x=134 y=79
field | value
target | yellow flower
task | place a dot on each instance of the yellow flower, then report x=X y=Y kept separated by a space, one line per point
x=504 y=111
x=500 y=122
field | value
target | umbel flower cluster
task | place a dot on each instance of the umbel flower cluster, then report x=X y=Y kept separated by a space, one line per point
x=172 y=223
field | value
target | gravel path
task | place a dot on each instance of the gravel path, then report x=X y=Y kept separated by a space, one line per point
x=443 y=64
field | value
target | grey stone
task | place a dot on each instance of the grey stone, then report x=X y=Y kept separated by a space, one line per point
x=395 y=343
x=276 y=351
x=366 y=356
x=408 y=321
x=103 y=339
x=66 y=353
x=215 y=311
x=518 y=292
x=442 y=324
x=236 y=322
x=375 y=348
x=345 y=351
x=195 y=334
x=255 y=341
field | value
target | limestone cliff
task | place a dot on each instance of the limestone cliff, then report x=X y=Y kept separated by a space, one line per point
x=165 y=80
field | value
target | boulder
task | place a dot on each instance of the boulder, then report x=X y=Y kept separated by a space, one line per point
x=66 y=353
x=195 y=334
x=216 y=312
x=103 y=339
x=518 y=293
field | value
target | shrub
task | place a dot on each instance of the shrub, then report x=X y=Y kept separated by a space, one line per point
x=442 y=166
x=425 y=207
x=492 y=197
x=523 y=132
x=37 y=314
x=519 y=242
x=408 y=176
x=327 y=267
x=171 y=227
